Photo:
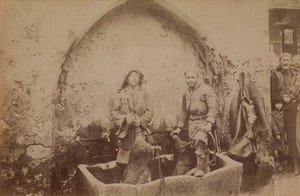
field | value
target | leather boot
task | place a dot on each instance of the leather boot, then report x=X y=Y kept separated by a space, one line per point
x=198 y=170
x=296 y=167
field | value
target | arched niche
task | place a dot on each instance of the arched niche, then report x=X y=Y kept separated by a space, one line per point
x=136 y=34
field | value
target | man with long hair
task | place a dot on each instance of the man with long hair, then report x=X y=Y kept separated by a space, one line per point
x=132 y=113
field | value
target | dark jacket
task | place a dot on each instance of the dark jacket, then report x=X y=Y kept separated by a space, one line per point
x=278 y=129
x=127 y=103
x=200 y=104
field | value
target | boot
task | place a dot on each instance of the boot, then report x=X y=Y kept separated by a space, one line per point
x=296 y=166
x=198 y=170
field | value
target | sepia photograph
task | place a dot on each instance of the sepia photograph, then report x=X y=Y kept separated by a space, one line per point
x=149 y=97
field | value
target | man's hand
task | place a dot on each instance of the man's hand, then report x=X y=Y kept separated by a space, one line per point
x=130 y=118
x=175 y=132
x=207 y=127
x=153 y=148
x=278 y=137
x=137 y=121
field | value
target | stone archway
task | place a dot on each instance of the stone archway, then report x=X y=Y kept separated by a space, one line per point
x=175 y=39
x=137 y=34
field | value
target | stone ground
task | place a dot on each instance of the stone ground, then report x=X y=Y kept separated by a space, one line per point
x=287 y=184
x=284 y=184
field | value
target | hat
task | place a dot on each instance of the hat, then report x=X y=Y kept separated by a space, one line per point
x=285 y=54
x=277 y=100
x=193 y=71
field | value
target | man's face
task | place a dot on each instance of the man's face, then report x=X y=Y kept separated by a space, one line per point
x=286 y=98
x=133 y=79
x=285 y=62
x=191 y=79
x=296 y=61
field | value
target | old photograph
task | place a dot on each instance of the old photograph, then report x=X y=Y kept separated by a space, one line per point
x=149 y=97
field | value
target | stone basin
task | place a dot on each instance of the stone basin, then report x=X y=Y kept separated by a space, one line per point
x=225 y=179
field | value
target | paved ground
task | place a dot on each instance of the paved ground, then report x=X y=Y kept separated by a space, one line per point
x=284 y=184
x=287 y=185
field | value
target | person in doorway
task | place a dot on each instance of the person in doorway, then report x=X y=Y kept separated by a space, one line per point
x=290 y=125
x=199 y=111
x=285 y=83
x=285 y=76
x=279 y=134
